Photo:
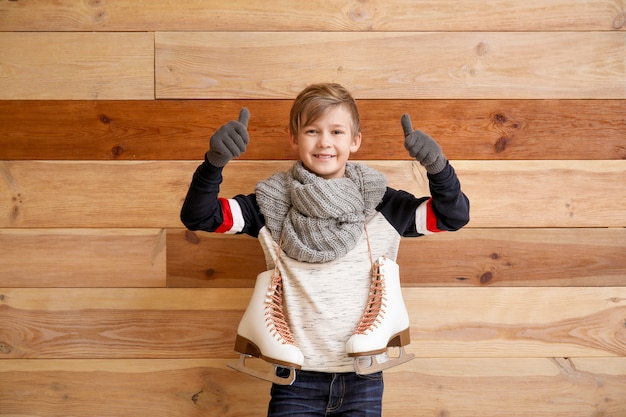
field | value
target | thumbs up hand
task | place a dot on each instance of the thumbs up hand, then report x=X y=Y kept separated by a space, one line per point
x=230 y=140
x=422 y=147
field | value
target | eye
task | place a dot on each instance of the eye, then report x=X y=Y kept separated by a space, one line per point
x=338 y=132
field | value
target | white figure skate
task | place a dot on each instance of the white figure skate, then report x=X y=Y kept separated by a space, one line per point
x=263 y=332
x=385 y=323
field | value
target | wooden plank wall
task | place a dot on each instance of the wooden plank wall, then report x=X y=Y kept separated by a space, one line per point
x=108 y=306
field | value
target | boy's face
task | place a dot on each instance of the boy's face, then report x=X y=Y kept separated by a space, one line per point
x=325 y=145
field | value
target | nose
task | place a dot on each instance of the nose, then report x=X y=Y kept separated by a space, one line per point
x=324 y=140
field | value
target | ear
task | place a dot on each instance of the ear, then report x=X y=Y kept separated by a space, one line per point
x=293 y=141
x=356 y=143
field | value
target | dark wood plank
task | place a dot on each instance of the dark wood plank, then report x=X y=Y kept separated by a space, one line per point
x=180 y=129
x=476 y=257
x=200 y=259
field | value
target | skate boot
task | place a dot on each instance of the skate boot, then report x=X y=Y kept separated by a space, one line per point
x=385 y=323
x=263 y=332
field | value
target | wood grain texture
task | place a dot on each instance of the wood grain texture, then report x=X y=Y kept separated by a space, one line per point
x=206 y=387
x=82 y=258
x=141 y=388
x=201 y=323
x=520 y=387
x=102 y=305
x=87 y=194
x=180 y=129
x=200 y=259
x=471 y=257
x=119 y=323
x=398 y=65
x=333 y=15
x=76 y=66
x=149 y=194
x=517 y=322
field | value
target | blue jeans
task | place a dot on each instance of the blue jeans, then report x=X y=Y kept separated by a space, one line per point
x=318 y=394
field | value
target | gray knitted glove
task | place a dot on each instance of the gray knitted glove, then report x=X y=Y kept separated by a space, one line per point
x=229 y=141
x=422 y=147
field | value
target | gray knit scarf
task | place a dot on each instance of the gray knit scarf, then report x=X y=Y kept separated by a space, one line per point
x=319 y=219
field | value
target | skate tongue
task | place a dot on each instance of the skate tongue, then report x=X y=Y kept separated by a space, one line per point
x=365 y=365
x=266 y=375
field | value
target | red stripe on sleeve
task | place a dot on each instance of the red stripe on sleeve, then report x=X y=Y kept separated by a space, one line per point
x=228 y=222
x=431 y=218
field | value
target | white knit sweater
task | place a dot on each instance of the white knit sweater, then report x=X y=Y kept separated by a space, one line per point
x=325 y=301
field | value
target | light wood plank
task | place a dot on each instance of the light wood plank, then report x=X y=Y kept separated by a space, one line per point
x=141 y=388
x=477 y=257
x=87 y=66
x=87 y=194
x=332 y=15
x=183 y=300
x=200 y=323
x=554 y=194
x=587 y=386
x=397 y=65
x=533 y=322
x=119 y=323
x=492 y=388
x=82 y=258
x=67 y=194
x=180 y=129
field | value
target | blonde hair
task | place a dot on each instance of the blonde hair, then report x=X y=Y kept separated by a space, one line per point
x=316 y=99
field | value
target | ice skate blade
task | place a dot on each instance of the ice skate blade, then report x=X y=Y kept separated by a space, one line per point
x=377 y=366
x=269 y=375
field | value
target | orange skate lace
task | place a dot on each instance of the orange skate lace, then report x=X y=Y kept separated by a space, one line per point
x=375 y=309
x=274 y=310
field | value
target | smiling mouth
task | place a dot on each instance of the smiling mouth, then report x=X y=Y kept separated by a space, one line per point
x=323 y=156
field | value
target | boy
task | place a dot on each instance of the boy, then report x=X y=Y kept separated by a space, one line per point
x=321 y=226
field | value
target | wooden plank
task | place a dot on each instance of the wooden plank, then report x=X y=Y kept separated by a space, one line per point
x=67 y=194
x=180 y=129
x=528 y=322
x=201 y=323
x=141 y=388
x=87 y=194
x=119 y=323
x=200 y=259
x=528 y=65
x=519 y=387
x=517 y=257
x=560 y=193
x=82 y=258
x=77 y=66
x=332 y=15
x=476 y=257
x=203 y=387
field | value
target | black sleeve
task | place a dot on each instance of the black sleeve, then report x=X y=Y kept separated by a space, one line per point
x=203 y=210
x=446 y=210
x=450 y=204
